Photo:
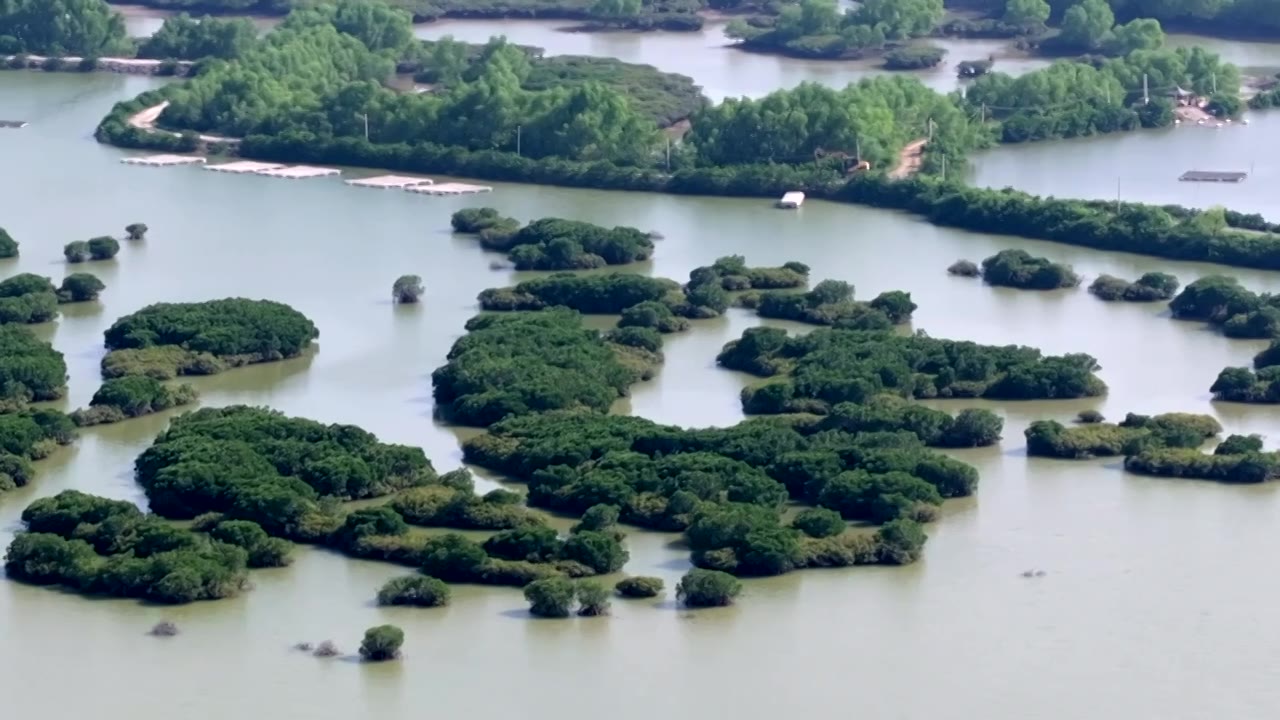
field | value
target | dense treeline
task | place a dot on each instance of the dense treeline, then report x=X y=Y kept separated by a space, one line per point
x=1072 y=98
x=107 y=547
x=1229 y=17
x=553 y=243
x=169 y=339
x=1238 y=459
x=935 y=428
x=827 y=367
x=30 y=369
x=1151 y=287
x=186 y=38
x=1018 y=269
x=1134 y=434
x=734 y=274
x=86 y=28
x=27 y=299
x=726 y=487
x=518 y=363
x=452 y=503
x=664 y=97
x=831 y=302
x=608 y=294
x=131 y=396
x=1238 y=384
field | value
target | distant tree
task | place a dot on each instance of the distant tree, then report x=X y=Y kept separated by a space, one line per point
x=76 y=251
x=550 y=597
x=407 y=289
x=593 y=599
x=639 y=587
x=1026 y=12
x=80 y=287
x=707 y=588
x=964 y=268
x=819 y=522
x=381 y=643
x=1087 y=25
x=418 y=590
x=8 y=246
x=135 y=231
x=103 y=248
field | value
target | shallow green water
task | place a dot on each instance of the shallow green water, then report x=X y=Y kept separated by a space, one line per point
x=1153 y=604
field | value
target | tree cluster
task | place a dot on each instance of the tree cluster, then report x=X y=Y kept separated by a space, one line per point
x=129 y=397
x=1151 y=287
x=726 y=487
x=98 y=248
x=827 y=367
x=1238 y=460
x=30 y=369
x=553 y=243
x=1136 y=433
x=86 y=28
x=185 y=38
x=169 y=339
x=259 y=465
x=416 y=590
x=519 y=363
x=107 y=547
x=27 y=299
x=831 y=302
x=821 y=29
x=453 y=504
x=8 y=246
x=1018 y=269
x=1222 y=302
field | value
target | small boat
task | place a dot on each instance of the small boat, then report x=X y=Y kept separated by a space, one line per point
x=791 y=200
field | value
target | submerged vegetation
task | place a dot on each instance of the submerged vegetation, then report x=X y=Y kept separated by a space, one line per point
x=827 y=367
x=1151 y=287
x=831 y=302
x=1018 y=269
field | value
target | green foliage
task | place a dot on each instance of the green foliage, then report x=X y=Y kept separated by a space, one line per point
x=30 y=369
x=407 y=289
x=724 y=487
x=1027 y=12
x=589 y=294
x=891 y=413
x=1151 y=287
x=1085 y=26
x=1017 y=268
x=250 y=330
x=135 y=231
x=900 y=542
x=8 y=246
x=1247 y=386
x=63 y=27
x=129 y=397
x=874 y=118
x=1223 y=302
x=80 y=287
x=639 y=587
x=106 y=547
x=593 y=598
x=27 y=299
x=1248 y=467
x=828 y=367
x=553 y=243
x=34 y=434
x=263 y=550
x=442 y=506
x=819 y=522
x=652 y=314
x=453 y=558
x=818 y=28
x=514 y=364
x=76 y=251
x=831 y=302
x=184 y=38
x=255 y=464
x=102 y=248
x=417 y=590
x=1097 y=439
x=550 y=597
x=914 y=57
x=707 y=588
x=381 y=643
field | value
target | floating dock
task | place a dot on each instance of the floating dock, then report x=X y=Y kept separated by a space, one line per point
x=1213 y=176
x=243 y=167
x=15 y=124
x=299 y=172
x=791 y=200
x=390 y=182
x=163 y=160
x=449 y=189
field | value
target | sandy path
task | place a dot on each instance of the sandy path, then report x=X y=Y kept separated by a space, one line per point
x=909 y=159
x=146 y=120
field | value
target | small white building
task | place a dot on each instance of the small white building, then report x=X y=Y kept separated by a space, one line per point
x=791 y=200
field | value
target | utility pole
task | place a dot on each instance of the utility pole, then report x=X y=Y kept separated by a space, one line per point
x=857 y=149
x=930 y=129
x=944 y=168
x=983 y=121
x=1117 y=193
x=1214 y=78
x=366 y=125
x=668 y=153
x=519 y=128
x=1146 y=95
